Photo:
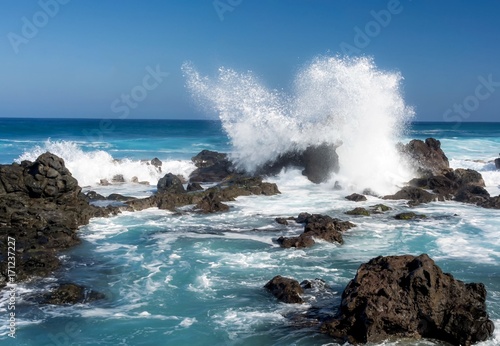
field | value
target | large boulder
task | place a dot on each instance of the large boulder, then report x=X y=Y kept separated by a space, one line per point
x=170 y=183
x=426 y=156
x=318 y=162
x=211 y=167
x=410 y=297
x=285 y=289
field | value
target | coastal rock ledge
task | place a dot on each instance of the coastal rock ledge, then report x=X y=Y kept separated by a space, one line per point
x=409 y=296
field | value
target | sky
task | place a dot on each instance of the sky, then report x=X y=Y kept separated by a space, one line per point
x=109 y=59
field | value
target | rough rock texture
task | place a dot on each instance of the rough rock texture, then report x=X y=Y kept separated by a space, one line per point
x=71 y=294
x=409 y=216
x=194 y=187
x=414 y=194
x=319 y=227
x=426 y=156
x=170 y=183
x=318 y=163
x=358 y=212
x=356 y=197
x=211 y=167
x=41 y=207
x=408 y=296
x=208 y=200
x=285 y=289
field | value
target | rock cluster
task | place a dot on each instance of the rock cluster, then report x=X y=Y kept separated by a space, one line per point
x=41 y=207
x=316 y=226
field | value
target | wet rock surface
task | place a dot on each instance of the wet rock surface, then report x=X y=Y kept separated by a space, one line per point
x=285 y=289
x=41 y=207
x=69 y=293
x=409 y=297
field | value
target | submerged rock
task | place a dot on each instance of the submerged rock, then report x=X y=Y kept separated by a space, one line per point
x=356 y=197
x=410 y=297
x=358 y=212
x=285 y=289
x=71 y=294
x=409 y=216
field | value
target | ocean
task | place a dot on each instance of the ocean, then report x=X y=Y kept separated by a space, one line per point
x=194 y=279
x=191 y=279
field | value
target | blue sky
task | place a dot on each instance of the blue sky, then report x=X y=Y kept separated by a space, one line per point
x=76 y=58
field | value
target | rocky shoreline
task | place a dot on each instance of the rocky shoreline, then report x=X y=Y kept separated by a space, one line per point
x=42 y=207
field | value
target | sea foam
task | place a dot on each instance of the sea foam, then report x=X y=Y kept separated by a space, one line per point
x=334 y=100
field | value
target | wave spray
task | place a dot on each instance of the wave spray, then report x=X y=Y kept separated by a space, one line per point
x=334 y=100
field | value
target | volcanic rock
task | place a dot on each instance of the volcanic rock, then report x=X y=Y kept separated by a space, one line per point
x=211 y=167
x=71 y=294
x=358 y=212
x=426 y=156
x=413 y=194
x=356 y=197
x=170 y=183
x=497 y=163
x=285 y=289
x=409 y=216
x=194 y=187
x=410 y=297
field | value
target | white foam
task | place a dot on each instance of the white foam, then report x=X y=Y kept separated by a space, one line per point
x=89 y=167
x=335 y=100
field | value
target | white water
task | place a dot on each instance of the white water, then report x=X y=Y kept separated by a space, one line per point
x=89 y=167
x=334 y=100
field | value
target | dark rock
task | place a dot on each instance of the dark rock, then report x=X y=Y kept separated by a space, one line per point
x=379 y=208
x=410 y=297
x=358 y=211
x=472 y=194
x=426 y=156
x=157 y=163
x=194 y=187
x=94 y=196
x=414 y=194
x=211 y=167
x=118 y=178
x=409 y=216
x=356 y=197
x=119 y=198
x=170 y=183
x=281 y=221
x=71 y=294
x=497 y=163
x=211 y=203
x=104 y=182
x=41 y=206
x=319 y=227
x=285 y=289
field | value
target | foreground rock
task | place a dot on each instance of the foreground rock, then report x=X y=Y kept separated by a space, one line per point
x=285 y=289
x=211 y=167
x=71 y=294
x=410 y=297
x=41 y=207
x=319 y=227
x=426 y=157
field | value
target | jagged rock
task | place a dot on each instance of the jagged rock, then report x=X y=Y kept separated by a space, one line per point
x=119 y=198
x=358 y=211
x=157 y=163
x=194 y=187
x=356 y=197
x=414 y=194
x=409 y=216
x=211 y=203
x=41 y=206
x=472 y=194
x=319 y=227
x=379 y=208
x=118 y=178
x=71 y=294
x=285 y=289
x=212 y=167
x=409 y=297
x=170 y=183
x=426 y=156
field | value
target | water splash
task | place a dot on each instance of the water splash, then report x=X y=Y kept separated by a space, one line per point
x=334 y=100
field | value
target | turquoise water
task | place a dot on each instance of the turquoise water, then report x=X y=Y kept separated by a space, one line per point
x=197 y=279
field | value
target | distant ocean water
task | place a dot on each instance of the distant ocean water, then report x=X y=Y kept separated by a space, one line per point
x=197 y=279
